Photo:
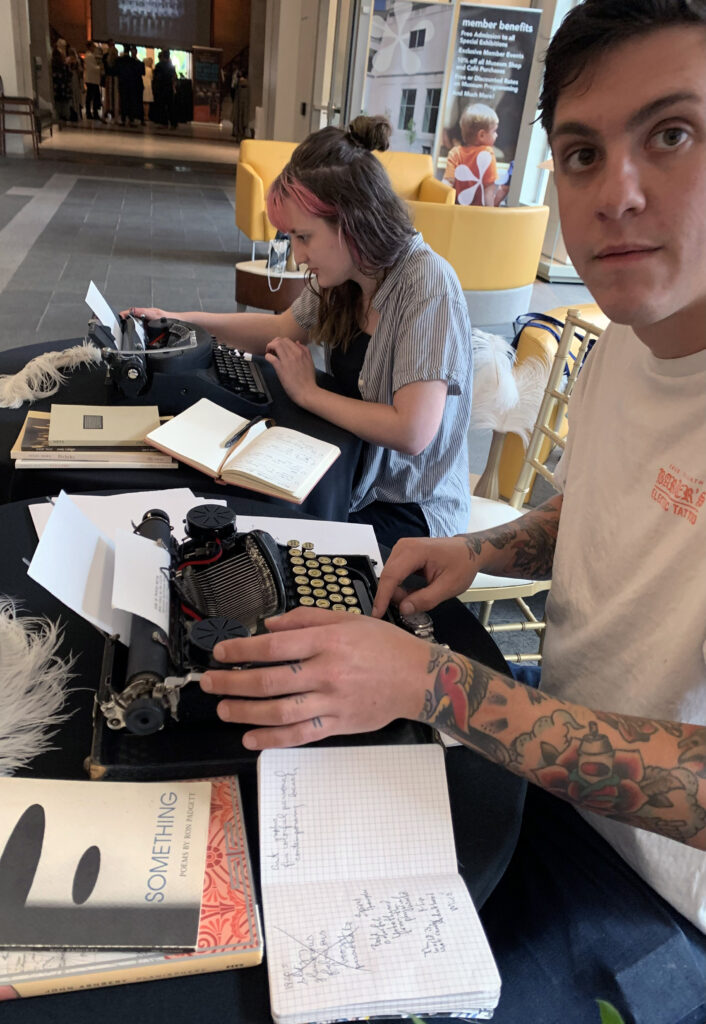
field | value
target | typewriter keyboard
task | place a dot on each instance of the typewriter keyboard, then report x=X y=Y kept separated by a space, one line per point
x=238 y=373
x=325 y=581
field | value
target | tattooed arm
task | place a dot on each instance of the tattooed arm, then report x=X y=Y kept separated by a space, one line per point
x=326 y=674
x=644 y=772
x=522 y=548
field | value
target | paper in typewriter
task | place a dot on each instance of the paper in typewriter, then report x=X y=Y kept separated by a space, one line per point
x=365 y=912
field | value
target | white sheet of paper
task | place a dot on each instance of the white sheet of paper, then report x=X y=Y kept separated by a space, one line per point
x=112 y=512
x=329 y=538
x=74 y=561
x=101 y=308
x=139 y=583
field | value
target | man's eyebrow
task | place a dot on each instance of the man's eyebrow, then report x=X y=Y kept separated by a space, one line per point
x=634 y=121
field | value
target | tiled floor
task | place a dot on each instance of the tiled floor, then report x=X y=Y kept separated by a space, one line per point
x=150 y=219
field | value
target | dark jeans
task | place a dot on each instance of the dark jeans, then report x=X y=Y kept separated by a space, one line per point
x=570 y=923
x=93 y=101
x=391 y=522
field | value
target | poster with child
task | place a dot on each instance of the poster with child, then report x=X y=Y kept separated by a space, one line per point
x=491 y=61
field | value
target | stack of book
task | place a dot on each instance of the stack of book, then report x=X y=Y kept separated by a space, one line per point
x=90 y=437
x=113 y=882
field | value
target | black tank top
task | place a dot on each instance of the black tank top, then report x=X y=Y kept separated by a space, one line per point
x=346 y=366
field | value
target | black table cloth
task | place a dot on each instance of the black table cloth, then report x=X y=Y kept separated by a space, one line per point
x=330 y=499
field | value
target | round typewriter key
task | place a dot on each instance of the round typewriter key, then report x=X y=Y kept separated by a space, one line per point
x=341 y=572
x=347 y=590
x=311 y=563
x=294 y=551
x=350 y=600
x=323 y=603
x=330 y=578
x=340 y=561
x=303 y=590
x=292 y=543
x=314 y=574
x=308 y=601
x=354 y=611
x=296 y=560
x=319 y=592
x=335 y=598
x=301 y=580
x=333 y=588
x=307 y=546
x=345 y=581
x=339 y=608
x=324 y=559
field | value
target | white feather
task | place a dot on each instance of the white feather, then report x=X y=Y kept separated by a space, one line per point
x=43 y=375
x=506 y=396
x=33 y=682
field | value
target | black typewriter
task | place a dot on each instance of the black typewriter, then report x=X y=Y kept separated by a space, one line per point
x=237 y=372
x=151 y=719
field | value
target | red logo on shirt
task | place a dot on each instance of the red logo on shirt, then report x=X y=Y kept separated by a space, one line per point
x=679 y=493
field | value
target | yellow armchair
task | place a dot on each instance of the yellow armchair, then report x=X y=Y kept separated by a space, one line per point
x=261 y=161
x=494 y=251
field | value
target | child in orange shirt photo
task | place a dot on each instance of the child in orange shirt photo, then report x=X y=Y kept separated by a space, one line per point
x=470 y=168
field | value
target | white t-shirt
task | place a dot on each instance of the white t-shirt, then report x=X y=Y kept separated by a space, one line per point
x=626 y=615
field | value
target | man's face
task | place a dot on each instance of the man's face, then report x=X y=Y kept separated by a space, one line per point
x=629 y=146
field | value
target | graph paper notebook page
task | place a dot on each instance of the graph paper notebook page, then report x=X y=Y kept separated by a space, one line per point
x=365 y=912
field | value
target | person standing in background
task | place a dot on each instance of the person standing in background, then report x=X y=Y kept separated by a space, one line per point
x=147 y=96
x=61 y=84
x=163 y=89
x=93 y=73
x=109 y=60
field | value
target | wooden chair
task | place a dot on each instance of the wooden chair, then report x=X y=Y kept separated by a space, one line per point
x=17 y=107
x=487 y=513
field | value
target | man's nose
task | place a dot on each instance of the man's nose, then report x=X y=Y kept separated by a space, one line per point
x=621 y=189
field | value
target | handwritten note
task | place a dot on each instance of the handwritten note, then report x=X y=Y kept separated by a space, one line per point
x=365 y=912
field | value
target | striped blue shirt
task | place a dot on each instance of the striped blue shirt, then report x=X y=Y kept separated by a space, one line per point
x=423 y=334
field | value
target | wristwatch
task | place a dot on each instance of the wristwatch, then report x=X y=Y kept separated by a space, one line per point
x=420 y=624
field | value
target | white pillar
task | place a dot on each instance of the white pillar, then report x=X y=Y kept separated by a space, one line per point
x=15 y=65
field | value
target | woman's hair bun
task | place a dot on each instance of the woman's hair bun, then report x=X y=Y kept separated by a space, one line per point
x=370 y=132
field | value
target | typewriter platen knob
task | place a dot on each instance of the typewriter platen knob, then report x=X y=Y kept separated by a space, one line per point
x=210 y=522
x=204 y=635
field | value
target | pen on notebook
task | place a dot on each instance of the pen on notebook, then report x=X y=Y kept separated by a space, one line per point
x=240 y=434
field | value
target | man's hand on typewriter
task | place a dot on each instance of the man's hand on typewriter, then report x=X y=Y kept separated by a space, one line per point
x=325 y=673
x=449 y=565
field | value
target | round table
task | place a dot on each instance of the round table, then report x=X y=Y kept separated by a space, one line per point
x=276 y=293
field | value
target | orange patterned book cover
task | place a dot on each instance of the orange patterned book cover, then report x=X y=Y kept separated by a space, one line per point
x=229 y=925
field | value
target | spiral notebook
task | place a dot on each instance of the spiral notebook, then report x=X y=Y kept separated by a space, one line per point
x=365 y=912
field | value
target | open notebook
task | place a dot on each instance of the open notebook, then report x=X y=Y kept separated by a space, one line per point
x=365 y=912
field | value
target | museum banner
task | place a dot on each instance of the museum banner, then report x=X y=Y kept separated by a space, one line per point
x=207 y=77
x=493 y=49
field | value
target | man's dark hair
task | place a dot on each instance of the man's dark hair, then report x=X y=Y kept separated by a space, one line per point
x=598 y=25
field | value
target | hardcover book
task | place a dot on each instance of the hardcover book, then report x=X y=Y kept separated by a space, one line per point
x=229 y=931
x=272 y=460
x=111 y=426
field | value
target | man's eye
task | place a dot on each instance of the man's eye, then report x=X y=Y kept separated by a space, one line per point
x=669 y=138
x=579 y=159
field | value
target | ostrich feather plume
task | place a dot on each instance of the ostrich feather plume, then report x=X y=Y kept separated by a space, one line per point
x=506 y=395
x=33 y=682
x=43 y=375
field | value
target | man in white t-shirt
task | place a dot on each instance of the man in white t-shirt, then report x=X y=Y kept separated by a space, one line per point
x=624 y=106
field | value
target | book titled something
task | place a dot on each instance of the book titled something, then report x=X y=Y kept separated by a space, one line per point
x=272 y=460
x=365 y=911
x=229 y=932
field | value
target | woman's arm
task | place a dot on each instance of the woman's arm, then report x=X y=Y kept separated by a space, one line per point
x=323 y=674
x=247 y=331
x=408 y=425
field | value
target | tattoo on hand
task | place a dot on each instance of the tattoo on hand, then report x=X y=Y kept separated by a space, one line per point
x=295 y=666
x=317 y=723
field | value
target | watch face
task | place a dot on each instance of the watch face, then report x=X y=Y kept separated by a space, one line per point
x=416 y=621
